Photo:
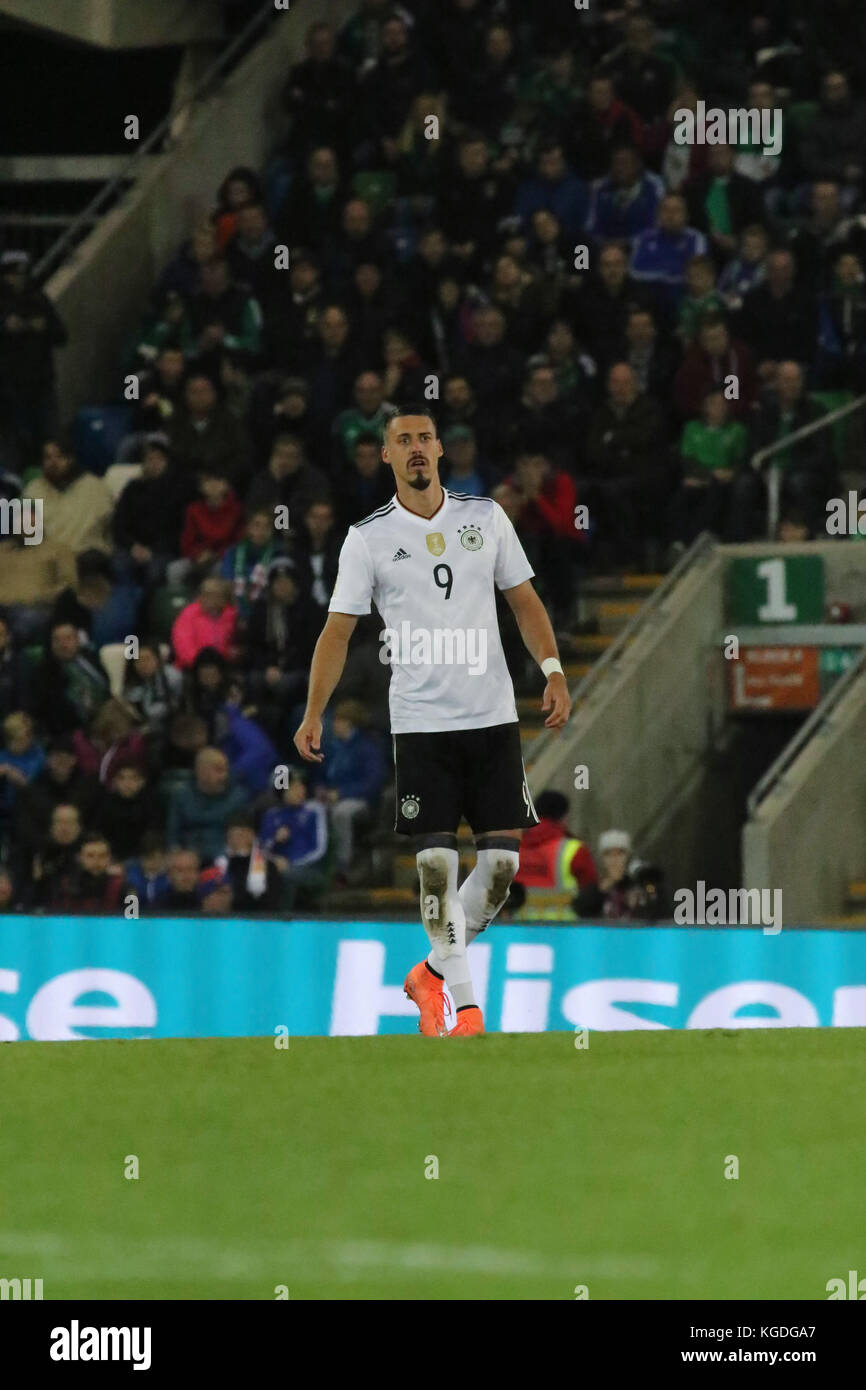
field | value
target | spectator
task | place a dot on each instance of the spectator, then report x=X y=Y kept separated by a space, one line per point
x=701 y=300
x=252 y=757
x=69 y=684
x=317 y=551
x=245 y=566
x=473 y=202
x=55 y=855
x=223 y=315
x=546 y=516
x=368 y=484
x=652 y=359
x=209 y=621
x=462 y=472
x=833 y=145
x=239 y=187
x=292 y=316
x=625 y=202
x=558 y=189
x=717 y=361
x=254 y=879
x=542 y=419
x=491 y=364
x=160 y=390
x=294 y=836
x=606 y=897
x=152 y=688
x=148 y=516
x=320 y=92
x=214 y=893
x=113 y=737
x=104 y=611
x=76 y=505
x=184 y=867
x=484 y=96
x=205 y=436
x=604 y=124
x=93 y=885
x=211 y=524
x=605 y=302
x=334 y=366
x=624 y=472
x=386 y=90
x=643 y=77
x=197 y=814
x=61 y=782
x=551 y=857
x=367 y=417
x=778 y=320
x=147 y=874
x=746 y=270
x=842 y=328
x=127 y=808
x=713 y=451
x=31 y=577
x=721 y=202
x=660 y=255
x=252 y=267
x=289 y=481
x=22 y=758
x=808 y=474
x=30 y=331
x=283 y=629
x=352 y=777
x=818 y=240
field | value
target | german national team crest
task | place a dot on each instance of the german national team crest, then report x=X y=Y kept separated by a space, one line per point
x=471 y=537
x=436 y=542
x=410 y=806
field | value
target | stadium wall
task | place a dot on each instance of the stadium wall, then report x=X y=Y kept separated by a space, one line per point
x=93 y=977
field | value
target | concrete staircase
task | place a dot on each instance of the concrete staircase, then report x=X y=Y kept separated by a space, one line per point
x=607 y=605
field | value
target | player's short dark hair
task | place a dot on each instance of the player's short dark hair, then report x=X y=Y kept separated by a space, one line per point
x=412 y=409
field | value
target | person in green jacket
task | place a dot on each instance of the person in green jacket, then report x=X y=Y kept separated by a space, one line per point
x=713 y=449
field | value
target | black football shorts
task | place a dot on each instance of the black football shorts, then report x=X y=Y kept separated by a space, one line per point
x=476 y=773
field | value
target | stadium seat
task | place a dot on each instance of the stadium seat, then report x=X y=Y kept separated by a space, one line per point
x=113 y=659
x=96 y=434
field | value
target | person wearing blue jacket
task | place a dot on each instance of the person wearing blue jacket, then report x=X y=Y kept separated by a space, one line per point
x=626 y=201
x=661 y=253
x=295 y=836
x=252 y=757
x=352 y=776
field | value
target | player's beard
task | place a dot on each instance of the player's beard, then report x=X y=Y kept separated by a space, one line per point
x=419 y=482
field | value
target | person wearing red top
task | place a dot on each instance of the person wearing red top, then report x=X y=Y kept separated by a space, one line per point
x=211 y=524
x=210 y=621
x=551 y=857
x=548 y=518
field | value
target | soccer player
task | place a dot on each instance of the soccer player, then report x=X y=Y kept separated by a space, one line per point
x=431 y=560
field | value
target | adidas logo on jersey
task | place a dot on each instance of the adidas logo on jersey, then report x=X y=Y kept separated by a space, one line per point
x=402 y=554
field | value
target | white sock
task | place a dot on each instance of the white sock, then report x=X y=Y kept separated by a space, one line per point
x=444 y=921
x=485 y=891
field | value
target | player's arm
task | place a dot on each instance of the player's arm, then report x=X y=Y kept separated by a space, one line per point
x=329 y=658
x=537 y=634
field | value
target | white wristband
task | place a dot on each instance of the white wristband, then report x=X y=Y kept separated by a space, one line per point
x=550 y=664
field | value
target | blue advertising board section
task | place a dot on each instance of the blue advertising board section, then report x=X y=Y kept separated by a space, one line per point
x=96 y=977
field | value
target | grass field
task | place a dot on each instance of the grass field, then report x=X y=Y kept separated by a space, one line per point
x=305 y=1167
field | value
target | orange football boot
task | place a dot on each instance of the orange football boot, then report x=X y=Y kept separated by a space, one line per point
x=425 y=989
x=469 y=1023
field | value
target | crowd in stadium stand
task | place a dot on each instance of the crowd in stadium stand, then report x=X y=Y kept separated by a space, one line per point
x=415 y=251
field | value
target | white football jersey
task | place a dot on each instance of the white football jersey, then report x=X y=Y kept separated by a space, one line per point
x=433 y=581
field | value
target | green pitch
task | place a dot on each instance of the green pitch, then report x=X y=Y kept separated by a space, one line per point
x=557 y=1167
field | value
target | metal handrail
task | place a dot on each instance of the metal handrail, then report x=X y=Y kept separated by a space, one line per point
x=88 y=215
x=792 y=750
x=699 y=546
x=768 y=451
